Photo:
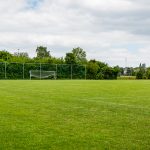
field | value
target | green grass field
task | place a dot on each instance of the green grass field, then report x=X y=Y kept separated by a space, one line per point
x=75 y=115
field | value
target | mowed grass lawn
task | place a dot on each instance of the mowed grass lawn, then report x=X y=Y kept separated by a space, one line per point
x=75 y=115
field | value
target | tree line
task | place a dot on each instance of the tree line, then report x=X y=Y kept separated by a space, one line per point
x=76 y=57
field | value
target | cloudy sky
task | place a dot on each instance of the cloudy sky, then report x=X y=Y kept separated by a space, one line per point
x=109 y=30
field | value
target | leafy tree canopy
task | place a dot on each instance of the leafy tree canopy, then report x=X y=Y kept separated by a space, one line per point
x=80 y=55
x=42 y=52
x=21 y=54
x=70 y=58
x=4 y=55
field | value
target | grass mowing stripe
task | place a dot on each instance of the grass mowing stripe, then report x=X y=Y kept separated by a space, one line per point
x=101 y=100
x=93 y=100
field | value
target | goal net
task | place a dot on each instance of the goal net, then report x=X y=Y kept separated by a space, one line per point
x=42 y=74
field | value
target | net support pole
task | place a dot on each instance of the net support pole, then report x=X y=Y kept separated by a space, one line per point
x=23 y=70
x=5 y=70
x=71 y=71
x=30 y=75
x=56 y=72
x=40 y=71
x=85 y=72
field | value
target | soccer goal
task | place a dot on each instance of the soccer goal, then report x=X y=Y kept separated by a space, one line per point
x=40 y=74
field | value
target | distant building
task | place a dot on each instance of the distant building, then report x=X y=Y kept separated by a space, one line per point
x=125 y=71
x=128 y=71
x=143 y=66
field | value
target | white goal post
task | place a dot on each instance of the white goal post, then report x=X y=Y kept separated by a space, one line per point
x=42 y=74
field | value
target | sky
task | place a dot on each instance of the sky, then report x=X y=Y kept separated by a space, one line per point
x=111 y=31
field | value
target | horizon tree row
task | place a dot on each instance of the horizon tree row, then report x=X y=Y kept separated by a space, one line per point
x=77 y=56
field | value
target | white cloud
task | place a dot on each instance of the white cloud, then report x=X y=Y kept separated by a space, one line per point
x=105 y=29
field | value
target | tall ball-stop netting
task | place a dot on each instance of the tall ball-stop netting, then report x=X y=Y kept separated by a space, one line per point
x=41 y=71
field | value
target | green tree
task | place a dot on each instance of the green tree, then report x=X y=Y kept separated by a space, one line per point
x=107 y=71
x=116 y=71
x=92 y=70
x=21 y=54
x=148 y=73
x=70 y=58
x=139 y=75
x=42 y=52
x=80 y=55
x=5 y=56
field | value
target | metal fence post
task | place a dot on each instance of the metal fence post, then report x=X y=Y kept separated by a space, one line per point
x=40 y=71
x=56 y=72
x=85 y=72
x=71 y=71
x=23 y=70
x=5 y=70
